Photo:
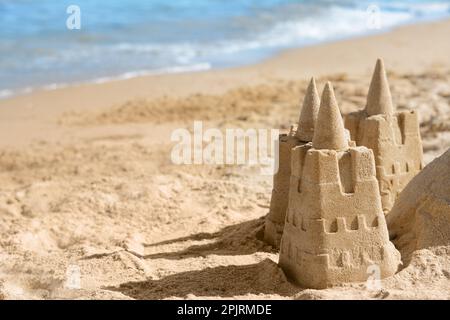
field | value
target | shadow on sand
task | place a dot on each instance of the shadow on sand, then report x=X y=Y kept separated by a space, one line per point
x=245 y=238
x=224 y=281
x=239 y=239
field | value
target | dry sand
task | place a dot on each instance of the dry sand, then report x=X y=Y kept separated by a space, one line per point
x=87 y=179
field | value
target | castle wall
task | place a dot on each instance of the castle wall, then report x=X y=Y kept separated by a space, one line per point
x=301 y=135
x=332 y=235
x=280 y=192
x=396 y=143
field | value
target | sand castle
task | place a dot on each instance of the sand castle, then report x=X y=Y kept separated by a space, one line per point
x=393 y=136
x=334 y=187
x=335 y=228
x=300 y=135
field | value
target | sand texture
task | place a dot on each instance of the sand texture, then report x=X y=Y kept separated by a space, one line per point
x=87 y=182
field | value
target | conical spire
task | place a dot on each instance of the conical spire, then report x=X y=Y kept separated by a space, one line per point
x=329 y=133
x=379 y=100
x=310 y=110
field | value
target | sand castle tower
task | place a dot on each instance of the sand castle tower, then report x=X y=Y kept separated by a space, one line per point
x=393 y=136
x=301 y=135
x=335 y=228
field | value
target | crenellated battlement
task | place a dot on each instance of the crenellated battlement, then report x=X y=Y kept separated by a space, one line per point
x=400 y=129
x=397 y=147
x=345 y=172
x=335 y=258
x=359 y=223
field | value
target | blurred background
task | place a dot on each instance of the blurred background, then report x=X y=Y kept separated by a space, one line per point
x=123 y=39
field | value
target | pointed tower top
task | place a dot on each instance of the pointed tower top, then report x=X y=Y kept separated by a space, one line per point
x=379 y=100
x=310 y=110
x=329 y=133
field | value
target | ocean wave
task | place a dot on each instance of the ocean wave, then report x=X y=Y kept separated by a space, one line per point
x=333 y=24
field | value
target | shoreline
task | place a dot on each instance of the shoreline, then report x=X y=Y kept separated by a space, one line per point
x=276 y=59
x=404 y=49
x=284 y=33
x=8 y=94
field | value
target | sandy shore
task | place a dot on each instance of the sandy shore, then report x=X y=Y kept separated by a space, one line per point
x=88 y=184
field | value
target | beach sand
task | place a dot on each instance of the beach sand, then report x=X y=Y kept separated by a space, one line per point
x=88 y=186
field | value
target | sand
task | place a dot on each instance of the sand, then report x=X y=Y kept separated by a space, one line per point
x=420 y=218
x=88 y=185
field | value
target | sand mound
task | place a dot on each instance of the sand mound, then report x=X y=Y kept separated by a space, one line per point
x=420 y=218
x=242 y=105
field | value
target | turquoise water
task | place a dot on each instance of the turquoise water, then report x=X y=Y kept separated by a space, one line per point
x=122 y=39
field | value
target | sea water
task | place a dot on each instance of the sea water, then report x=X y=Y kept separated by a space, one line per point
x=120 y=39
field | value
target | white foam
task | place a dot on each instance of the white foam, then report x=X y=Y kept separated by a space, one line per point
x=335 y=23
x=140 y=73
x=54 y=86
x=6 y=94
